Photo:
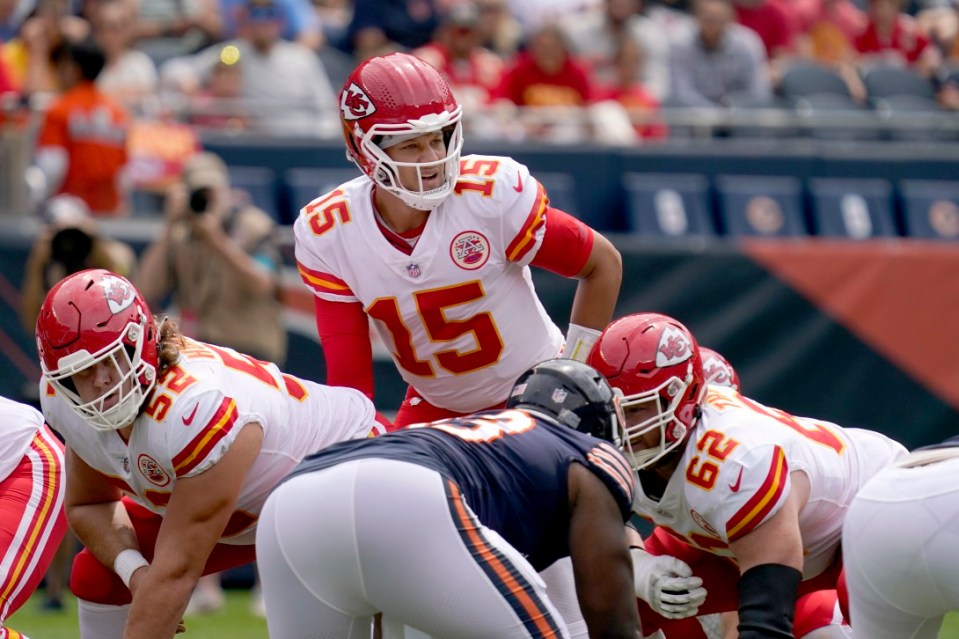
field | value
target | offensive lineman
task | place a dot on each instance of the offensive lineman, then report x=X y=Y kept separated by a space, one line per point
x=172 y=447
x=762 y=492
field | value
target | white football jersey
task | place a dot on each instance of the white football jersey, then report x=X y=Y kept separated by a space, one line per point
x=196 y=412
x=734 y=475
x=462 y=305
x=19 y=424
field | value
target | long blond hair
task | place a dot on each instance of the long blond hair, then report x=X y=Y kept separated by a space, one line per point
x=171 y=341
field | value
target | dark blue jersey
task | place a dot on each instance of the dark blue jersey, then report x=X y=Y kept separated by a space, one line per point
x=511 y=468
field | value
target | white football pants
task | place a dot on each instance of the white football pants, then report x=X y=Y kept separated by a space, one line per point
x=338 y=545
x=901 y=552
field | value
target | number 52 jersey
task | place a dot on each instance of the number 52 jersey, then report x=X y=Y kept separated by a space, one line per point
x=195 y=413
x=735 y=474
x=462 y=305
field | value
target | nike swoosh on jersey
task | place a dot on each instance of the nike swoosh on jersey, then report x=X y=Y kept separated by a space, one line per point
x=189 y=420
x=519 y=183
x=735 y=487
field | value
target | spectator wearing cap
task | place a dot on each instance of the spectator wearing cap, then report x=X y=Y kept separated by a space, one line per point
x=81 y=147
x=69 y=241
x=472 y=71
x=297 y=17
x=285 y=87
x=382 y=26
x=218 y=257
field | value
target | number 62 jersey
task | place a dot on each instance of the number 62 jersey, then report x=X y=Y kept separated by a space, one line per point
x=734 y=475
x=462 y=304
x=194 y=415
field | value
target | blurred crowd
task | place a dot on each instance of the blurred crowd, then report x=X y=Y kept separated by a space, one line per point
x=127 y=87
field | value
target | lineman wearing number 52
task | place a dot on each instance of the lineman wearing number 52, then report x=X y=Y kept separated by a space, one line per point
x=172 y=447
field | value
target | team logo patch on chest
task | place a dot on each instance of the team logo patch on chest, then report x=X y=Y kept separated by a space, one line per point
x=150 y=469
x=470 y=250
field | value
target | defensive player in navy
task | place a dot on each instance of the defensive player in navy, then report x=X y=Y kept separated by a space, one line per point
x=443 y=526
x=899 y=546
x=172 y=446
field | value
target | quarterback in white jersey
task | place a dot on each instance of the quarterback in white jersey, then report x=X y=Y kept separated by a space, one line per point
x=173 y=446
x=436 y=250
x=757 y=494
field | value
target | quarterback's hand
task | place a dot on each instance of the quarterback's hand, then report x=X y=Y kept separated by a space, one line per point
x=667 y=584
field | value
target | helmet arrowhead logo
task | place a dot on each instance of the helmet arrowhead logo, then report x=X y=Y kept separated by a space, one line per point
x=118 y=293
x=355 y=104
x=674 y=347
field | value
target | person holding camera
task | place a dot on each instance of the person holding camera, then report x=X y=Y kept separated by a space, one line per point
x=68 y=242
x=218 y=258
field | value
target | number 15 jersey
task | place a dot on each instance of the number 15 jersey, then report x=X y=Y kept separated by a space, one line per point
x=462 y=305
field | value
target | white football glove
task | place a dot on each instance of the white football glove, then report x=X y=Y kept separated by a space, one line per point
x=667 y=584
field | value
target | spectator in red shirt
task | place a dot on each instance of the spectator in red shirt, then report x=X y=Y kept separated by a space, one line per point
x=472 y=71
x=894 y=37
x=555 y=85
x=776 y=24
x=546 y=74
x=81 y=147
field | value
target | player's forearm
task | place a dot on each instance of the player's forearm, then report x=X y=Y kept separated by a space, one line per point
x=159 y=603
x=104 y=528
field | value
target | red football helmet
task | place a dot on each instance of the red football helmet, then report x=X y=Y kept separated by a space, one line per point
x=653 y=360
x=393 y=98
x=97 y=316
x=718 y=370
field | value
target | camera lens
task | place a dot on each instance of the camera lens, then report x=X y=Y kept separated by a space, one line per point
x=200 y=200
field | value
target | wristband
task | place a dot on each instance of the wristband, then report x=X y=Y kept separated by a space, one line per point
x=579 y=341
x=127 y=563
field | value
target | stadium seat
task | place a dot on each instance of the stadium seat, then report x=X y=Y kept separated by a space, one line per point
x=852 y=208
x=889 y=81
x=931 y=209
x=802 y=79
x=668 y=205
x=761 y=206
x=899 y=95
x=819 y=95
x=307 y=183
x=259 y=182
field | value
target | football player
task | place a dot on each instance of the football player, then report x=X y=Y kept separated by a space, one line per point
x=469 y=508
x=436 y=249
x=32 y=523
x=757 y=496
x=172 y=446
x=899 y=546
x=718 y=370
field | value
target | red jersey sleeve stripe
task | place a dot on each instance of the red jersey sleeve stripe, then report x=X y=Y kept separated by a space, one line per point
x=216 y=429
x=525 y=240
x=323 y=282
x=762 y=502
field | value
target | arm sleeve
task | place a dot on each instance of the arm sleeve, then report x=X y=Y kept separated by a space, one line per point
x=345 y=335
x=566 y=246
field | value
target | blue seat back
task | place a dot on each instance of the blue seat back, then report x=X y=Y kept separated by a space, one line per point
x=761 y=206
x=668 y=205
x=853 y=208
